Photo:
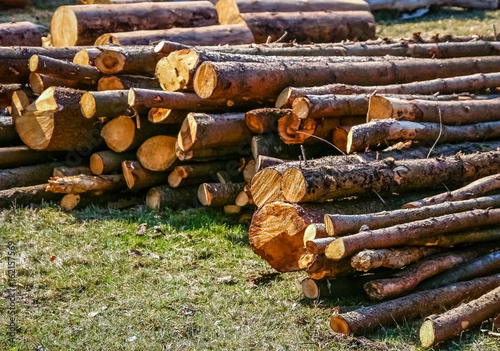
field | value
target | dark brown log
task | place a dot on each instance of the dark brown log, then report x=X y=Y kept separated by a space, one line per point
x=209 y=154
x=87 y=184
x=81 y=25
x=446 y=240
x=28 y=195
x=271 y=145
x=135 y=60
x=265 y=120
x=162 y=197
x=124 y=82
x=107 y=162
x=26 y=176
x=17 y=156
x=217 y=194
x=111 y=103
x=8 y=134
x=318 y=266
x=118 y=201
x=157 y=153
x=437 y=328
x=88 y=75
x=63 y=171
x=408 y=307
x=396 y=258
x=197 y=171
x=267 y=161
x=40 y=82
x=20 y=33
x=14 y=3
x=138 y=178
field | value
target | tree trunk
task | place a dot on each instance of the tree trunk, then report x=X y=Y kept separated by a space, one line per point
x=209 y=35
x=125 y=82
x=403 y=234
x=119 y=201
x=162 y=197
x=18 y=156
x=87 y=184
x=477 y=188
x=86 y=57
x=407 y=279
x=64 y=171
x=40 y=82
x=167 y=116
x=107 y=162
x=414 y=4
x=54 y=122
x=87 y=75
x=437 y=328
x=470 y=83
x=20 y=34
x=338 y=225
x=315 y=231
x=396 y=258
x=318 y=245
x=423 y=303
x=217 y=194
x=110 y=104
x=8 y=134
x=81 y=25
x=128 y=60
x=138 y=177
x=201 y=130
x=25 y=196
x=26 y=176
x=264 y=120
x=157 y=153
x=252 y=80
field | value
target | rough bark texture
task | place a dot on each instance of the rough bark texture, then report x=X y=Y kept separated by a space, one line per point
x=137 y=177
x=40 y=82
x=25 y=176
x=18 y=156
x=20 y=33
x=217 y=194
x=88 y=75
x=28 y=195
x=228 y=152
x=264 y=120
x=87 y=184
x=64 y=171
x=167 y=116
x=162 y=197
x=124 y=82
x=200 y=170
x=107 y=162
x=367 y=260
x=8 y=134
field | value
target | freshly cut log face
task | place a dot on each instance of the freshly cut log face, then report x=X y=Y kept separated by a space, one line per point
x=86 y=57
x=264 y=120
x=157 y=153
x=133 y=60
x=109 y=104
x=167 y=116
x=82 y=24
x=20 y=34
x=107 y=162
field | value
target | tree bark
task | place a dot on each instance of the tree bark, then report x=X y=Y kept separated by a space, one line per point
x=124 y=82
x=18 y=156
x=6 y=92
x=64 y=171
x=20 y=33
x=26 y=176
x=411 y=5
x=129 y=60
x=167 y=116
x=107 y=162
x=271 y=145
x=40 y=82
x=138 y=178
x=24 y=196
x=423 y=303
x=87 y=75
x=87 y=184
x=228 y=152
x=264 y=120
x=437 y=328
x=110 y=104
x=403 y=234
x=161 y=197
x=467 y=237
x=477 y=188
x=217 y=194
x=396 y=258
x=81 y=25
x=157 y=153
x=318 y=266
x=267 y=161
x=207 y=171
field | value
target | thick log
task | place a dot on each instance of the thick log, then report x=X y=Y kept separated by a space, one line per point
x=63 y=171
x=107 y=162
x=277 y=230
x=157 y=153
x=129 y=60
x=88 y=75
x=161 y=197
x=26 y=176
x=264 y=120
x=137 y=177
x=167 y=116
x=470 y=83
x=217 y=194
x=18 y=156
x=118 y=201
x=437 y=328
x=87 y=184
x=124 y=82
x=110 y=104
x=423 y=303
x=407 y=279
x=397 y=258
x=20 y=33
x=54 y=122
x=208 y=35
x=81 y=25
x=14 y=3
x=403 y=234
x=230 y=79
x=477 y=188
x=341 y=225
x=201 y=130
x=28 y=195
x=411 y=5
x=40 y=82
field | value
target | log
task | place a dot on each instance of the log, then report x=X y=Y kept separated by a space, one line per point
x=267 y=161
x=18 y=156
x=54 y=122
x=20 y=33
x=137 y=177
x=277 y=230
x=40 y=82
x=8 y=133
x=266 y=187
x=88 y=75
x=82 y=24
x=315 y=231
x=338 y=225
x=14 y=3
x=317 y=26
x=129 y=60
x=437 y=328
x=161 y=197
x=271 y=145
x=200 y=131
x=87 y=184
x=467 y=237
x=208 y=35
x=411 y=5
x=318 y=266
x=423 y=303
x=26 y=176
x=297 y=131
x=124 y=82
x=407 y=279
x=265 y=120
x=209 y=154
x=24 y=196
x=111 y=103
x=477 y=188
x=403 y=234
x=107 y=162
x=323 y=289
x=118 y=201
x=6 y=92
x=157 y=153
x=217 y=194
x=249 y=171
x=197 y=171
x=63 y=171
x=86 y=57
x=470 y=83
x=396 y=258
x=167 y=116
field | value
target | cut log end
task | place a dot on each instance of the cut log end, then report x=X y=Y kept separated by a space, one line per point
x=427 y=333
x=167 y=74
x=110 y=62
x=82 y=57
x=301 y=107
x=310 y=288
x=293 y=185
x=283 y=99
x=33 y=63
x=153 y=199
x=131 y=97
x=187 y=134
x=379 y=107
x=266 y=186
x=69 y=202
x=119 y=133
x=36 y=83
x=109 y=83
x=96 y=164
x=64 y=27
x=339 y=325
x=157 y=153
x=88 y=105
x=335 y=250
x=330 y=229
x=205 y=80
x=340 y=136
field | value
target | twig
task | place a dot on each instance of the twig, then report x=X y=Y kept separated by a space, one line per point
x=326 y=141
x=440 y=132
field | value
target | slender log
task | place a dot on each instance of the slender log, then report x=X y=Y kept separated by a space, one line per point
x=319 y=245
x=337 y=225
x=161 y=197
x=209 y=154
x=208 y=35
x=20 y=33
x=86 y=184
x=26 y=176
x=119 y=201
x=18 y=156
x=81 y=25
x=111 y=103
x=64 y=171
x=124 y=82
x=437 y=328
x=197 y=171
x=267 y=161
x=230 y=79
x=167 y=116
x=138 y=177
x=130 y=60
x=402 y=234
x=264 y=120
x=40 y=82
x=477 y=188
x=318 y=266
x=28 y=195
x=54 y=122
x=157 y=153
x=335 y=288
x=467 y=237
x=107 y=162
x=315 y=231
x=397 y=258
x=88 y=75
x=470 y=83
x=411 y=5
x=6 y=92
x=408 y=307
x=407 y=279
x=217 y=194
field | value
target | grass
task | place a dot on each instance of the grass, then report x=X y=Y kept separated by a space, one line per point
x=88 y=281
